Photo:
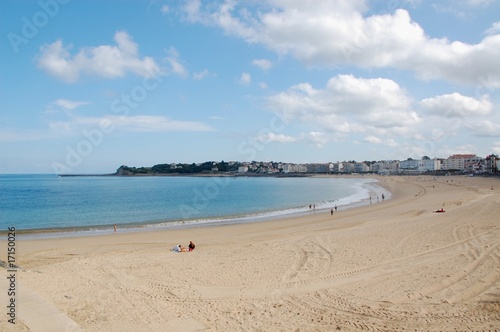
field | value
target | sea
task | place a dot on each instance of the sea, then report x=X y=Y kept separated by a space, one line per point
x=93 y=204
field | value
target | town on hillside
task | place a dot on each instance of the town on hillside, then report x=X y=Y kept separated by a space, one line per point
x=457 y=163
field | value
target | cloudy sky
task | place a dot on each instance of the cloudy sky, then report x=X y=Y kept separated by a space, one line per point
x=87 y=86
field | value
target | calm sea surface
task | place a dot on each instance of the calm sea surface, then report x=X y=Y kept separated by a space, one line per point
x=48 y=201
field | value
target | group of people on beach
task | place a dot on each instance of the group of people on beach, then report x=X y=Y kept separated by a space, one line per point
x=313 y=208
x=180 y=248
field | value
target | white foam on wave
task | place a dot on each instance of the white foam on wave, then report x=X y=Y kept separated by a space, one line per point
x=365 y=189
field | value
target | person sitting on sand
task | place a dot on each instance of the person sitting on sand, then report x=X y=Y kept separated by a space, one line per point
x=191 y=246
x=177 y=248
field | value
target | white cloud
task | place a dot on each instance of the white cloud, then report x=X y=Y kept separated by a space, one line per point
x=104 y=60
x=496 y=148
x=412 y=3
x=494 y=30
x=457 y=105
x=176 y=66
x=165 y=9
x=479 y=2
x=69 y=104
x=22 y=135
x=391 y=142
x=331 y=34
x=149 y=123
x=372 y=139
x=453 y=8
x=138 y=123
x=460 y=8
x=272 y=137
x=76 y=125
x=263 y=85
x=378 y=108
x=245 y=79
x=346 y=104
x=313 y=137
x=262 y=64
x=485 y=128
x=377 y=140
x=465 y=149
x=201 y=74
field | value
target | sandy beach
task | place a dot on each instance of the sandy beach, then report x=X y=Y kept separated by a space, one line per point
x=394 y=265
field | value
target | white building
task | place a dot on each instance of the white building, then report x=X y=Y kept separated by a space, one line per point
x=429 y=165
x=408 y=165
x=348 y=168
x=361 y=168
x=385 y=166
x=338 y=167
x=492 y=164
x=318 y=168
x=461 y=162
x=293 y=168
x=288 y=168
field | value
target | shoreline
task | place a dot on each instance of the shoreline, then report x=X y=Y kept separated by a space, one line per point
x=147 y=226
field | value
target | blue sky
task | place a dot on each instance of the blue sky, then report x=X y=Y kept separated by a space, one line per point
x=87 y=86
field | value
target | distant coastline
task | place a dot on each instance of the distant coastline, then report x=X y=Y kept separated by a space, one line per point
x=454 y=165
x=284 y=175
x=207 y=169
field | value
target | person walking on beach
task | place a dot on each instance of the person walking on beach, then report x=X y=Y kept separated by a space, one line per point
x=114 y=228
x=331 y=212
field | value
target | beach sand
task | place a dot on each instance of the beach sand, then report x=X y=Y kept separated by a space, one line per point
x=391 y=266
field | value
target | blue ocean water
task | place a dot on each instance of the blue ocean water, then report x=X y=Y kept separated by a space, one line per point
x=30 y=202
